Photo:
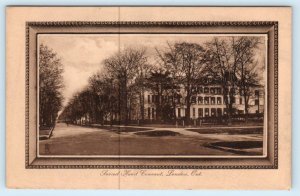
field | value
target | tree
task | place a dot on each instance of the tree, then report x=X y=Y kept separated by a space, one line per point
x=140 y=84
x=228 y=58
x=105 y=97
x=123 y=68
x=245 y=49
x=80 y=105
x=185 y=62
x=222 y=64
x=159 y=82
x=50 y=85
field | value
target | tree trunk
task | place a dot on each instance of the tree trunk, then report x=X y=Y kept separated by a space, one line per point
x=174 y=107
x=142 y=105
x=119 y=104
x=246 y=99
x=125 y=104
x=227 y=102
x=188 y=107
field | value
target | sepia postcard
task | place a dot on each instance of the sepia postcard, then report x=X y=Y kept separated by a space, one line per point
x=148 y=97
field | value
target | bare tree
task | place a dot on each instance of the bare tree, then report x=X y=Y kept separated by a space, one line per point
x=185 y=62
x=140 y=84
x=228 y=59
x=222 y=65
x=159 y=82
x=104 y=91
x=245 y=48
x=123 y=67
x=118 y=90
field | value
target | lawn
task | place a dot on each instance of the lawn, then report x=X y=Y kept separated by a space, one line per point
x=229 y=131
x=158 y=133
x=121 y=129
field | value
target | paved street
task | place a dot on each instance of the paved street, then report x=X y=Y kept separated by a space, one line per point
x=79 y=140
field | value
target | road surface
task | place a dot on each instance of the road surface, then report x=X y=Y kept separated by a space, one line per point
x=79 y=140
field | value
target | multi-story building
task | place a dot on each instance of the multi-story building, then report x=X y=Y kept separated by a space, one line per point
x=209 y=102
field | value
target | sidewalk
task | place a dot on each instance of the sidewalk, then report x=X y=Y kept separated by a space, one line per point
x=188 y=131
x=180 y=127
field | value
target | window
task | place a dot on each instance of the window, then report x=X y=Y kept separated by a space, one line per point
x=219 y=100
x=219 y=112
x=149 y=111
x=153 y=98
x=225 y=111
x=200 y=89
x=241 y=100
x=200 y=100
x=256 y=92
x=156 y=98
x=213 y=100
x=257 y=102
x=206 y=90
x=206 y=112
x=213 y=112
x=206 y=100
x=194 y=112
x=209 y=79
x=178 y=99
x=179 y=112
x=193 y=99
x=240 y=111
x=153 y=111
x=149 y=101
x=200 y=112
x=212 y=90
x=219 y=91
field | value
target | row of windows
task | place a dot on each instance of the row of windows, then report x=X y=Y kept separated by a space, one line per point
x=195 y=113
x=199 y=100
x=214 y=100
x=202 y=112
x=212 y=90
x=207 y=100
x=153 y=98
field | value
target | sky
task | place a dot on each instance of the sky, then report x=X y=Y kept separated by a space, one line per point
x=82 y=55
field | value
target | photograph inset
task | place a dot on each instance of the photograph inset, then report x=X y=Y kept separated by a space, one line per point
x=151 y=95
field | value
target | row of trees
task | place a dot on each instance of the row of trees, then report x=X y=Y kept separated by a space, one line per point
x=50 y=86
x=118 y=89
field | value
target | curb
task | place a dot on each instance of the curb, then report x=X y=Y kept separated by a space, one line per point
x=44 y=137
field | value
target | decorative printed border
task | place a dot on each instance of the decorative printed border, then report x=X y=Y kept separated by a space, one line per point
x=276 y=95
x=58 y=24
x=150 y=23
x=27 y=99
x=151 y=167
